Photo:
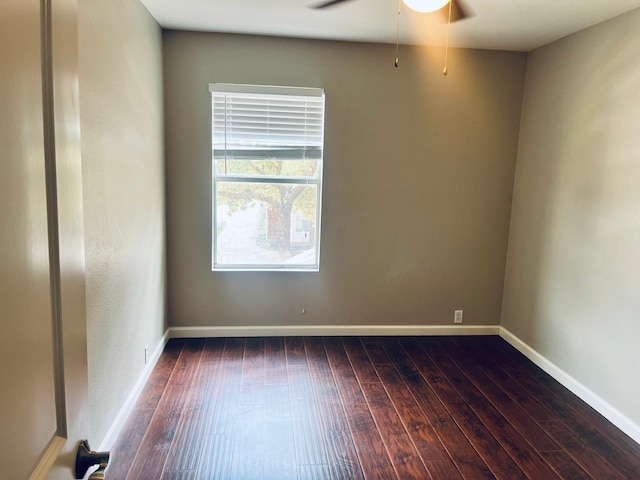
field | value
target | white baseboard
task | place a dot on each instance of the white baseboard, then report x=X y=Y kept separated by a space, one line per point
x=332 y=330
x=120 y=420
x=620 y=420
x=48 y=458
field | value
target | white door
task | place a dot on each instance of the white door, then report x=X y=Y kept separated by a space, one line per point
x=43 y=371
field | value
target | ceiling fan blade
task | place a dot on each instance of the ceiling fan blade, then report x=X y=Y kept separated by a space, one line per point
x=330 y=3
x=458 y=12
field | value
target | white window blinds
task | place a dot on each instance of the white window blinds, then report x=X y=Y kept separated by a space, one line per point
x=262 y=122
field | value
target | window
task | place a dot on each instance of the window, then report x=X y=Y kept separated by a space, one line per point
x=267 y=147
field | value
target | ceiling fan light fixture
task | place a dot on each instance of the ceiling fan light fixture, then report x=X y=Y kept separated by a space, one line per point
x=425 y=6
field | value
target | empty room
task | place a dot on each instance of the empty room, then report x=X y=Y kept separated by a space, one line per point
x=356 y=239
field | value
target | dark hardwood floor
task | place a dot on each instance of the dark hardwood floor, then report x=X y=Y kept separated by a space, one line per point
x=362 y=408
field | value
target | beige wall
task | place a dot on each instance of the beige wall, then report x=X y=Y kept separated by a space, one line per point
x=572 y=288
x=123 y=176
x=418 y=181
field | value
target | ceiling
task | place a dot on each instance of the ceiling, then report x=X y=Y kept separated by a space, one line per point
x=496 y=24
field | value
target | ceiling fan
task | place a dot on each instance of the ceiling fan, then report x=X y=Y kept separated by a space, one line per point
x=440 y=8
x=447 y=11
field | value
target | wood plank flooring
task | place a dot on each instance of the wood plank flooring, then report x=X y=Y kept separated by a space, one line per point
x=363 y=408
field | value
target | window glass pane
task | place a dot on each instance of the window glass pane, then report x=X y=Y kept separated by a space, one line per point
x=272 y=168
x=266 y=224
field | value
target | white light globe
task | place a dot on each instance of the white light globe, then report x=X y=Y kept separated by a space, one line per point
x=425 y=6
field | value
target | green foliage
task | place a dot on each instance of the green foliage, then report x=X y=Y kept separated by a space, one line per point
x=281 y=197
x=282 y=200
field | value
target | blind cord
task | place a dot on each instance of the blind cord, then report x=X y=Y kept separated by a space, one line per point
x=446 y=50
x=398 y=34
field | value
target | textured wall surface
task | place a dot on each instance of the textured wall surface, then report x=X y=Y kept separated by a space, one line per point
x=573 y=272
x=418 y=181
x=123 y=176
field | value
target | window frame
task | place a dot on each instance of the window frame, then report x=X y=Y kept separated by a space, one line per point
x=317 y=180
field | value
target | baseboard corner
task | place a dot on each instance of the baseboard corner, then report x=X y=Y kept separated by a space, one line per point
x=617 y=418
x=122 y=416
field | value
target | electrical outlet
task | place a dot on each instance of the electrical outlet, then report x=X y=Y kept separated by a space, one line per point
x=457 y=316
x=146 y=354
